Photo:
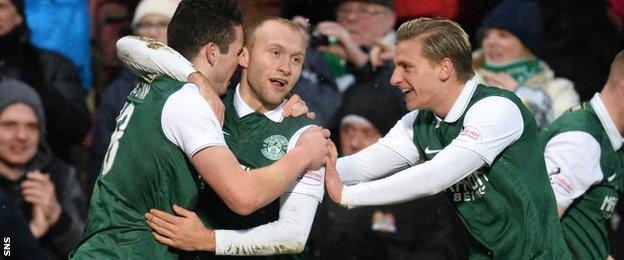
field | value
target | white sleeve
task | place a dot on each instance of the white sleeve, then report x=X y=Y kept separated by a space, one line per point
x=147 y=56
x=573 y=165
x=310 y=183
x=287 y=235
x=490 y=126
x=391 y=153
x=448 y=167
x=188 y=121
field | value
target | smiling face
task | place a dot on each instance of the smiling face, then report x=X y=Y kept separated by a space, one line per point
x=272 y=60
x=501 y=46
x=19 y=135
x=416 y=76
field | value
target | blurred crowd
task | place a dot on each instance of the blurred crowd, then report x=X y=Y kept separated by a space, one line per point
x=62 y=87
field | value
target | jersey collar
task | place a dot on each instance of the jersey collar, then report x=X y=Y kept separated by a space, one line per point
x=607 y=122
x=242 y=109
x=458 y=108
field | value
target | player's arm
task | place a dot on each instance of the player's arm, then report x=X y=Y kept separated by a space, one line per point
x=188 y=122
x=287 y=235
x=393 y=152
x=145 y=56
x=496 y=130
x=573 y=165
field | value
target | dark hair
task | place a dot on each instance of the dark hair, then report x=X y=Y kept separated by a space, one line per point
x=198 y=22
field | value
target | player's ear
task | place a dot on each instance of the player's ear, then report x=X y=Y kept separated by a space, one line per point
x=212 y=52
x=243 y=58
x=445 y=69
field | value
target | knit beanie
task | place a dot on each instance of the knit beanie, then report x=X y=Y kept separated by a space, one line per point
x=162 y=7
x=381 y=106
x=386 y=3
x=523 y=18
x=13 y=91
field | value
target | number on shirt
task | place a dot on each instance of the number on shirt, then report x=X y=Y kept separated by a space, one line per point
x=122 y=122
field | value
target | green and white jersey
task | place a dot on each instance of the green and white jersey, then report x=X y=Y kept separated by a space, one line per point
x=580 y=150
x=485 y=155
x=258 y=140
x=147 y=166
x=507 y=206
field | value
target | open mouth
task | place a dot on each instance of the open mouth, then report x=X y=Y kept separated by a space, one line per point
x=279 y=83
x=407 y=91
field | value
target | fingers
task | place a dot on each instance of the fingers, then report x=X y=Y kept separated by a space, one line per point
x=165 y=216
x=159 y=226
x=162 y=239
x=311 y=115
x=183 y=212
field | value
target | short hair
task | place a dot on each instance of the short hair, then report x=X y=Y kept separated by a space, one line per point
x=442 y=38
x=251 y=28
x=199 y=22
x=617 y=67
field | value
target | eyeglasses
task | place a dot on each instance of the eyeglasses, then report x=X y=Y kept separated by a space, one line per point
x=361 y=11
x=157 y=26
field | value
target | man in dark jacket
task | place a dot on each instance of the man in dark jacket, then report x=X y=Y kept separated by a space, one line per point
x=54 y=78
x=43 y=188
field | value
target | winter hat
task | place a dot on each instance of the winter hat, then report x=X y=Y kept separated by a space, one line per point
x=13 y=91
x=523 y=18
x=162 y=7
x=19 y=5
x=380 y=106
x=386 y=3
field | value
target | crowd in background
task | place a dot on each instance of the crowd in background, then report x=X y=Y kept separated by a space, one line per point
x=61 y=89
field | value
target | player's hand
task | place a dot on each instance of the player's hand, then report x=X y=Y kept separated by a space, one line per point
x=332 y=179
x=209 y=94
x=38 y=223
x=295 y=107
x=314 y=142
x=184 y=231
x=39 y=190
x=380 y=52
x=501 y=80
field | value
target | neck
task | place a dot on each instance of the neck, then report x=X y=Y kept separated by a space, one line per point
x=203 y=67
x=614 y=107
x=447 y=97
x=10 y=172
x=251 y=98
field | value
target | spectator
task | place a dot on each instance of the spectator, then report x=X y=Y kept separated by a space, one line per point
x=63 y=27
x=335 y=66
x=508 y=59
x=22 y=245
x=44 y=188
x=53 y=77
x=420 y=229
x=151 y=20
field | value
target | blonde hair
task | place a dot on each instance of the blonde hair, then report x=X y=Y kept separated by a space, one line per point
x=251 y=29
x=442 y=38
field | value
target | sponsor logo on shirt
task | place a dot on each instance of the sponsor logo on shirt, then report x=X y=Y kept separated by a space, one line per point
x=560 y=183
x=470 y=188
x=313 y=178
x=608 y=205
x=274 y=147
x=471 y=132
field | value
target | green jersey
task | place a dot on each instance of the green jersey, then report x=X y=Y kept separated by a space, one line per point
x=142 y=170
x=586 y=221
x=256 y=141
x=507 y=207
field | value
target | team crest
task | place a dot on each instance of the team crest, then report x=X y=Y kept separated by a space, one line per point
x=274 y=147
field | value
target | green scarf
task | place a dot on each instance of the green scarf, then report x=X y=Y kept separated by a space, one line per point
x=520 y=70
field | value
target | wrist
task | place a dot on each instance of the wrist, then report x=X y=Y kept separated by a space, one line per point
x=299 y=154
x=210 y=244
